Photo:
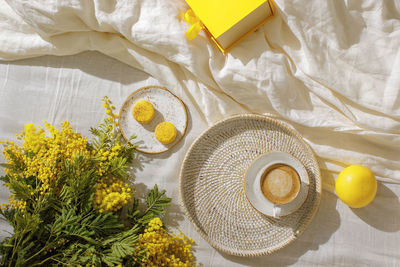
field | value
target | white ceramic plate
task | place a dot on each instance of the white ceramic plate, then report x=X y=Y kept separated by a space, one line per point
x=168 y=107
x=253 y=190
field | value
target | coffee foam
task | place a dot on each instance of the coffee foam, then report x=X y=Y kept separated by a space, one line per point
x=280 y=184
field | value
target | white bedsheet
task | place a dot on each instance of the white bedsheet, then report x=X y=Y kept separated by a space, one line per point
x=331 y=69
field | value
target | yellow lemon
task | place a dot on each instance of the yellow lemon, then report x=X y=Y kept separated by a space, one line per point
x=356 y=186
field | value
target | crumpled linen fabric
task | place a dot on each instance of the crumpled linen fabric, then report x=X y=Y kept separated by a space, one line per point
x=331 y=69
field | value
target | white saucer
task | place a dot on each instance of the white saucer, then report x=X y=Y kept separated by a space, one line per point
x=253 y=190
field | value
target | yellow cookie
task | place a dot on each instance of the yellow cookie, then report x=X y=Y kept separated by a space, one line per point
x=143 y=111
x=165 y=132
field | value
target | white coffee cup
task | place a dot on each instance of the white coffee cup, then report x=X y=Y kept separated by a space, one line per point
x=285 y=182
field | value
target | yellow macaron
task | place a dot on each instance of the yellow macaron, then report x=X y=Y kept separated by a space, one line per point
x=143 y=111
x=165 y=132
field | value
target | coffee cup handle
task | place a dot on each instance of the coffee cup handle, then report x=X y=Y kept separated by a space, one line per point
x=276 y=211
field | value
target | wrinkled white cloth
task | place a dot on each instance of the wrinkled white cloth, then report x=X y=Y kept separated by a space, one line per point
x=330 y=69
x=70 y=88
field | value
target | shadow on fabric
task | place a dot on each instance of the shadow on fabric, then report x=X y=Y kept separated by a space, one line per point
x=383 y=212
x=107 y=68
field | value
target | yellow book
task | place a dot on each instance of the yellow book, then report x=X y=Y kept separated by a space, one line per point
x=229 y=21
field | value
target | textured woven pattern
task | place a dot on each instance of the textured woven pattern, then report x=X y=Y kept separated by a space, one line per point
x=212 y=185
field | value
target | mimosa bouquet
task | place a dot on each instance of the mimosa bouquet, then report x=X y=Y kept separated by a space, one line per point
x=72 y=204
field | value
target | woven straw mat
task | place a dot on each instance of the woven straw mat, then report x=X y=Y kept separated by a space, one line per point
x=212 y=185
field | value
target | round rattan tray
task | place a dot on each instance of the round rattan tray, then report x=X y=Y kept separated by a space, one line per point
x=212 y=185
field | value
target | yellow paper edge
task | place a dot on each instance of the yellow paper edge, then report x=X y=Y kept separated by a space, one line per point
x=226 y=50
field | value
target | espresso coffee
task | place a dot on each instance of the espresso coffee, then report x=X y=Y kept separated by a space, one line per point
x=280 y=184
